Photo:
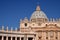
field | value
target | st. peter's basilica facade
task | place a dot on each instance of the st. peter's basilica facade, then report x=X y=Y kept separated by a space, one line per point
x=39 y=27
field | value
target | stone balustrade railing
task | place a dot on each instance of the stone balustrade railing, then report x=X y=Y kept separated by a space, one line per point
x=7 y=29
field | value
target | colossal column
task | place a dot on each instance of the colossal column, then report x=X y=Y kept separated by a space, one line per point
x=11 y=37
x=15 y=38
x=20 y=38
x=2 y=37
x=7 y=38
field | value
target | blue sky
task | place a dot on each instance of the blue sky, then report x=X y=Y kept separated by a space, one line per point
x=11 y=11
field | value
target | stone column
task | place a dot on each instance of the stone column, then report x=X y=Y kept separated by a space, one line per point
x=15 y=38
x=33 y=38
x=11 y=37
x=25 y=37
x=58 y=35
x=42 y=35
x=48 y=35
x=20 y=38
x=55 y=36
x=36 y=36
x=7 y=38
x=2 y=38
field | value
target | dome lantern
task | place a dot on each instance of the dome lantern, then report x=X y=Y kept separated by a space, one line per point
x=38 y=8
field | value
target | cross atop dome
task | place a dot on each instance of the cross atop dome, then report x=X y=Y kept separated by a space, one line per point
x=38 y=8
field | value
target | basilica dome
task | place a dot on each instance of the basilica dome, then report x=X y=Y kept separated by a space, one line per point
x=38 y=14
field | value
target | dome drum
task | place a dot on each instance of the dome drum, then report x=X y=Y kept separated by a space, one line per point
x=39 y=20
